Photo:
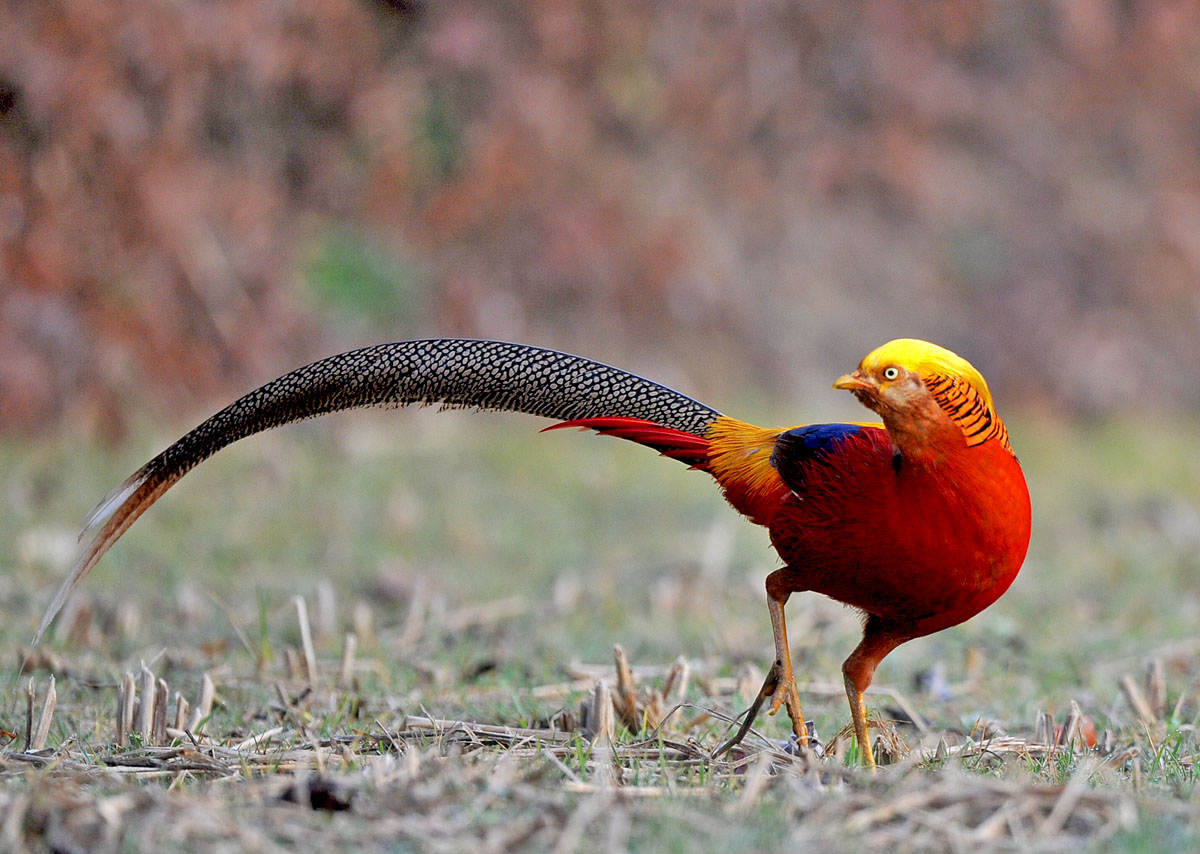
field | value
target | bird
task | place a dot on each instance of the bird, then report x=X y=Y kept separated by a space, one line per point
x=917 y=521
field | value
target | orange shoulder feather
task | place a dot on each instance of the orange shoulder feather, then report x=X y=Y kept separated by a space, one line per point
x=739 y=458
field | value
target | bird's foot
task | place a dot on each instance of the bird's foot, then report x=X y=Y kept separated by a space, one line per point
x=780 y=686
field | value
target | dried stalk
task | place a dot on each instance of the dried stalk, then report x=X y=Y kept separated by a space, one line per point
x=675 y=688
x=306 y=641
x=363 y=619
x=600 y=714
x=1070 y=730
x=625 y=699
x=346 y=670
x=204 y=708
x=125 y=702
x=1136 y=699
x=159 y=726
x=1043 y=729
x=43 y=725
x=146 y=709
x=291 y=663
x=181 y=710
x=1156 y=688
x=326 y=620
x=29 y=703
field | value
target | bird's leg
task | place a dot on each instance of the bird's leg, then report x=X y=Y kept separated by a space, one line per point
x=780 y=684
x=783 y=689
x=859 y=670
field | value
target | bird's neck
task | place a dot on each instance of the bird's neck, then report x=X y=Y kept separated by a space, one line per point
x=928 y=441
x=924 y=429
x=925 y=434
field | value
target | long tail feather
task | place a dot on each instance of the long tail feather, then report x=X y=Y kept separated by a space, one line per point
x=457 y=373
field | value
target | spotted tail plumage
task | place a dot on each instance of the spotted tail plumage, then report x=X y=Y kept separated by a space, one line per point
x=453 y=372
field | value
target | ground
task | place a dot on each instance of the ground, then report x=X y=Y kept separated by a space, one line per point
x=486 y=574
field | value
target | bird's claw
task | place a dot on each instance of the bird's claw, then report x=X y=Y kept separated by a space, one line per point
x=784 y=692
x=781 y=688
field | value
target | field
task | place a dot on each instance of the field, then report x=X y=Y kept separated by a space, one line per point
x=486 y=573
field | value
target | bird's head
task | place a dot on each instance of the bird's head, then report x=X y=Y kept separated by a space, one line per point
x=921 y=389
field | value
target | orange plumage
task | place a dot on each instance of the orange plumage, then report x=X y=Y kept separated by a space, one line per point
x=920 y=521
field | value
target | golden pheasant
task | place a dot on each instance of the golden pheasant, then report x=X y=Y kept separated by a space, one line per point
x=919 y=522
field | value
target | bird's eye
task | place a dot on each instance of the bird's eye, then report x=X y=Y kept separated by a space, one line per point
x=891 y=373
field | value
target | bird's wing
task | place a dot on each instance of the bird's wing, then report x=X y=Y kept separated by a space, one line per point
x=797 y=450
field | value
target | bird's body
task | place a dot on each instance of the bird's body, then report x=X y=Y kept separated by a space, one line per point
x=920 y=522
x=907 y=540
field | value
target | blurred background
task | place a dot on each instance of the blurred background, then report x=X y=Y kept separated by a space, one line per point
x=196 y=197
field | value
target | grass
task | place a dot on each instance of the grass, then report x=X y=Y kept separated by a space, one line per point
x=486 y=573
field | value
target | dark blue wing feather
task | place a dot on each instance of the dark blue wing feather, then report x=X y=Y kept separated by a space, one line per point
x=798 y=449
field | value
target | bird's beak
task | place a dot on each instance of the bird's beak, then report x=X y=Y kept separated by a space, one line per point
x=854 y=382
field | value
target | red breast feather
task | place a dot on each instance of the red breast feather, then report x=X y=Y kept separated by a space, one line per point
x=921 y=544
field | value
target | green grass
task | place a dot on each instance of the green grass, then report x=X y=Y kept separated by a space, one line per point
x=492 y=558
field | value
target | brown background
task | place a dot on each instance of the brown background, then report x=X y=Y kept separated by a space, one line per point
x=195 y=197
